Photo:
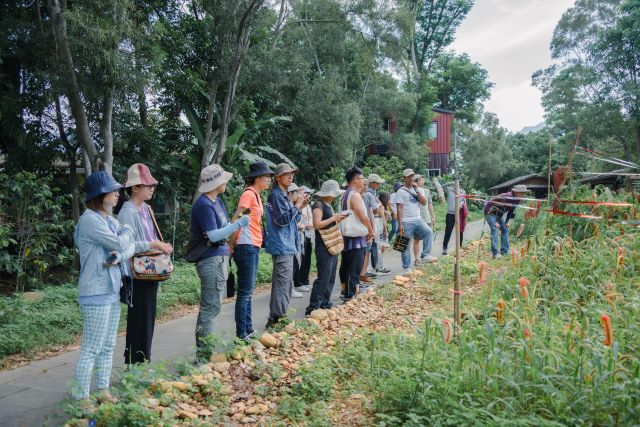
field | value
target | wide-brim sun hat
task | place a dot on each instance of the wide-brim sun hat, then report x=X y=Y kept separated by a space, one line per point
x=330 y=188
x=283 y=168
x=375 y=178
x=520 y=188
x=259 y=169
x=212 y=177
x=408 y=172
x=139 y=174
x=99 y=183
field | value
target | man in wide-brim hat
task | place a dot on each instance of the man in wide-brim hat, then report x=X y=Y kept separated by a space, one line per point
x=498 y=211
x=282 y=216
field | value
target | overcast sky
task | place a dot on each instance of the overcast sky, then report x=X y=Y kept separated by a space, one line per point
x=510 y=38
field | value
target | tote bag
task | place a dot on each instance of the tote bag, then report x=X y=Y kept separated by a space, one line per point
x=351 y=227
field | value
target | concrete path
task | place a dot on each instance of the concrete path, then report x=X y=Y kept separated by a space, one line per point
x=34 y=394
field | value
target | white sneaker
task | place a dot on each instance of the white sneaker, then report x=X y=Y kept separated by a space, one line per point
x=429 y=258
x=296 y=294
x=304 y=288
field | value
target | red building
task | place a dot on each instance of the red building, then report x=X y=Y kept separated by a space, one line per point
x=438 y=136
x=438 y=140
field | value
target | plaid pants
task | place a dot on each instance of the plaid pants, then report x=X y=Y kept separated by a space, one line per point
x=99 y=330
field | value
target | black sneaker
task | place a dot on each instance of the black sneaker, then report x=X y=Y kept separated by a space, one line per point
x=372 y=275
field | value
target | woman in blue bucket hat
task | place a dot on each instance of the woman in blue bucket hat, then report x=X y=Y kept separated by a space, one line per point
x=103 y=244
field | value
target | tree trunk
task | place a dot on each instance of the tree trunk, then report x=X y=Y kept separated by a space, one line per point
x=72 y=157
x=638 y=138
x=105 y=131
x=70 y=81
x=142 y=109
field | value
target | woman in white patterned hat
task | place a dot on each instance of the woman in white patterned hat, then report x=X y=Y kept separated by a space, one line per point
x=208 y=248
x=136 y=213
x=324 y=218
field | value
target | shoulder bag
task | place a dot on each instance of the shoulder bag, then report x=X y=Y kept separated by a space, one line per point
x=332 y=238
x=153 y=265
x=351 y=227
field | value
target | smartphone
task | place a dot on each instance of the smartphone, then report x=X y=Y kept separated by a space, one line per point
x=111 y=260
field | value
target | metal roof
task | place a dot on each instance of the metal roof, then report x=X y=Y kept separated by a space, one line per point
x=517 y=180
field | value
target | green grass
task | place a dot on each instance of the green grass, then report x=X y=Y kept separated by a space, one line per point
x=546 y=363
x=55 y=319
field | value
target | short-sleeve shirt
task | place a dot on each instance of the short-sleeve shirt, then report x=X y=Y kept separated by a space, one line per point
x=251 y=235
x=424 y=209
x=207 y=214
x=327 y=212
x=408 y=198
x=392 y=202
x=370 y=200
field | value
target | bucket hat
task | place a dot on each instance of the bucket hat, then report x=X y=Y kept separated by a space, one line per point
x=259 y=169
x=330 y=188
x=307 y=190
x=520 y=188
x=99 y=183
x=212 y=177
x=375 y=178
x=417 y=177
x=283 y=168
x=139 y=174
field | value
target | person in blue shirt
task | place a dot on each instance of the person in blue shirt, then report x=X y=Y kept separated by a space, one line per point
x=208 y=248
x=282 y=217
x=102 y=243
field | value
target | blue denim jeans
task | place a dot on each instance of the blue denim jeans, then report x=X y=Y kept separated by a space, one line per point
x=414 y=230
x=394 y=229
x=427 y=242
x=246 y=259
x=504 y=240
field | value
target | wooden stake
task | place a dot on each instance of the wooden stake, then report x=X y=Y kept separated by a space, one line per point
x=571 y=154
x=549 y=172
x=456 y=283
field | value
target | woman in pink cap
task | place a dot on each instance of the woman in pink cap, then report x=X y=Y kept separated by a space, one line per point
x=136 y=213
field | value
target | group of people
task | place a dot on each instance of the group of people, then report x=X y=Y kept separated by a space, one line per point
x=345 y=224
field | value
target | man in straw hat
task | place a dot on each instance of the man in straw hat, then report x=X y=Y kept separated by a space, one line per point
x=498 y=211
x=282 y=217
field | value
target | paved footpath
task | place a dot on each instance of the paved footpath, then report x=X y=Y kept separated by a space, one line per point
x=34 y=394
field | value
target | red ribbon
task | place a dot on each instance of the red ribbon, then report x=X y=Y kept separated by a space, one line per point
x=557 y=212
x=589 y=202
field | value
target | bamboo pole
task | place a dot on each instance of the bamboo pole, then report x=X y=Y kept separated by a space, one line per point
x=549 y=171
x=456 y=283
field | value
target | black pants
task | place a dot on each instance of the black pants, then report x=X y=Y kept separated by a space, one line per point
x=323 y=285
x=141 y=319
x=374 y=255
x=350 y=268
x=448 y=230
x=301 y=271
